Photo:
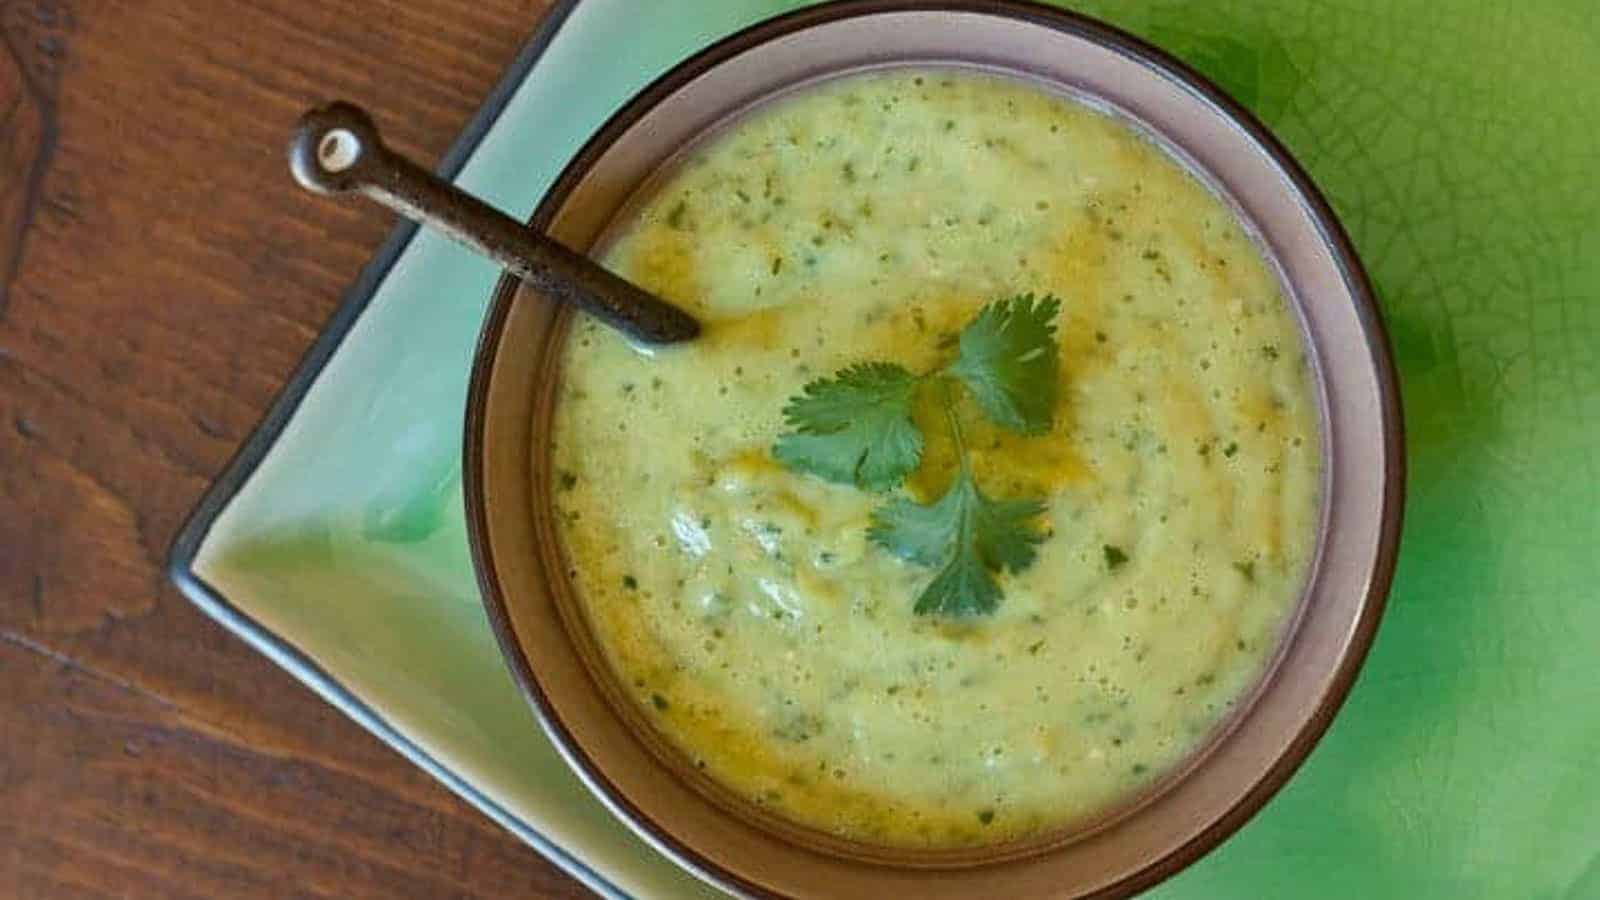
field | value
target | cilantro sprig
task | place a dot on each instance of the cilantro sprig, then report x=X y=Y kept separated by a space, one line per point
x=856 y=428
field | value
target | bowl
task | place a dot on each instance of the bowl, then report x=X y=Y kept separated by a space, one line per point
x=531 y=601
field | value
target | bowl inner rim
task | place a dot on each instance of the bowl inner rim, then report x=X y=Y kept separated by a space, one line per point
x=574 y=613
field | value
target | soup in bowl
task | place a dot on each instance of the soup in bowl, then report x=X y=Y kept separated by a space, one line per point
x=988 y=526
x=736 y=588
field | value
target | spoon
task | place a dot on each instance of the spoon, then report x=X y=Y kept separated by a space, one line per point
x=336 y=149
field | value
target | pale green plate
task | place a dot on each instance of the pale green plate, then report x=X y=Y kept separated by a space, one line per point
x=1457 y=141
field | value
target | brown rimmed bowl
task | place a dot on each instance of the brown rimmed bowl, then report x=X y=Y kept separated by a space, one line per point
x=531 y=601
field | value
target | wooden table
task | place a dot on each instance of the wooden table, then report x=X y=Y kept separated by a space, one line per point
x=159 y=277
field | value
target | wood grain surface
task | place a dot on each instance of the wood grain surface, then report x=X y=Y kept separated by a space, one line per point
x=159 y=278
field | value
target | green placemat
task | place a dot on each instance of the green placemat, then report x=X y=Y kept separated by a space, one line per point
x=1455 y=140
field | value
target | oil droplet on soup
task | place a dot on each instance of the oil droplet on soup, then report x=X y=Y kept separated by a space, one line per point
x=742 y=605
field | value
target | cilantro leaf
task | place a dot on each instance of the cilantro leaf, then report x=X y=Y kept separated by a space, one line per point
x=966 y=532
x=1010 y=362
x=854 y=428
x=962 y=588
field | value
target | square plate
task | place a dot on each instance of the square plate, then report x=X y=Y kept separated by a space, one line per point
x=335 y=543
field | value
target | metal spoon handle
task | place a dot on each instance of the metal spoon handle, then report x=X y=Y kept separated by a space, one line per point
x=337 y=149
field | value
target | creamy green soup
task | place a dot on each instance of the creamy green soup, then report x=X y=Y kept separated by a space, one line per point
x=742 y=605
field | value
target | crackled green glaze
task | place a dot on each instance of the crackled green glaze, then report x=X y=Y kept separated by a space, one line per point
x=1455 y=139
